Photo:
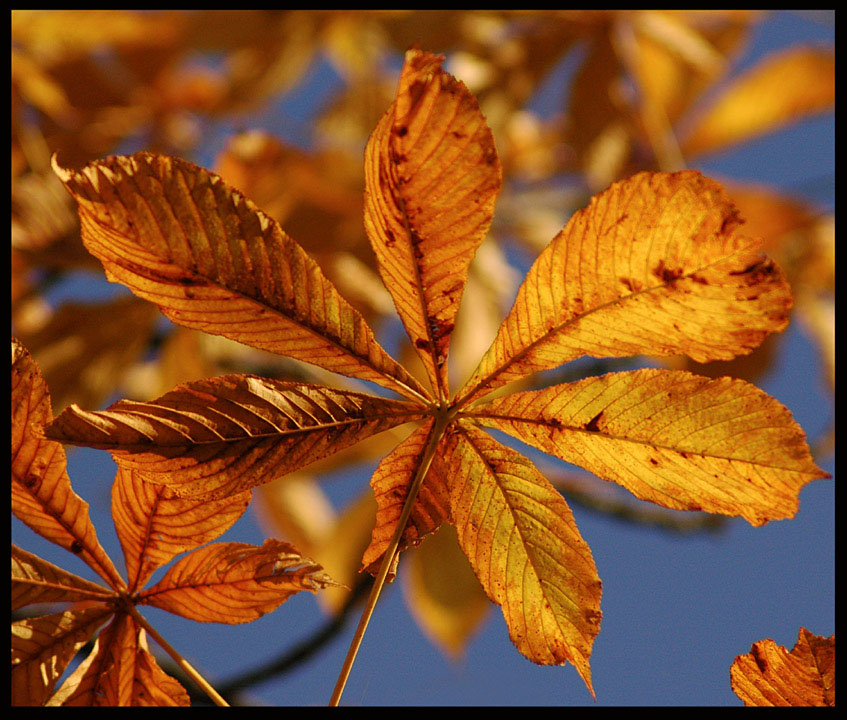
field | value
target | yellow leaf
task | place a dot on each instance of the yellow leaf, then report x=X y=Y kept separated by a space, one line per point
x=653 y=265
x=770 y=676
x=431 y=176
x=233 y=582
x=227 y=434
x=37 y=581
x=524 y=547
x=390 y=483
x=42 y=496
x=676 y=439
x=154 y=526
x=783 y=88
x=42 y=647
x=177 y=235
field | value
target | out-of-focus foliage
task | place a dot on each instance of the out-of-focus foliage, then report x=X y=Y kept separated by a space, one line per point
x=624 y=91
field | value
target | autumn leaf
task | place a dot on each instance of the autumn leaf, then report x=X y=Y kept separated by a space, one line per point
x=769 y=675
x=153 y=526
x=654 y=265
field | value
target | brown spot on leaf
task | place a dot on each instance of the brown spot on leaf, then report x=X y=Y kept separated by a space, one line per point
x=666 y=274
x=75 y=547
x=592 y=425
x=402 y=131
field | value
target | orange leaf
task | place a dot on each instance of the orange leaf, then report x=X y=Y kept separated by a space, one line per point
x=154 y=526
x=37 y=581
x=42 y=496
x=177 y=235
x=653 y=265
x=227 y=434
x=770 y=676
x=390 y=483
x=676 y=439
x=783 y=88
x=234 y=583
x=431 y=180
x=42 y=647
x=524 y=547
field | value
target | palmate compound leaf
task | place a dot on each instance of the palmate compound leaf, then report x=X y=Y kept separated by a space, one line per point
x=42 y=496
x=227 y=434
x=653 y=266
x=234 y=583
x=178 y=236
x=676 y=439
x=432 y=176
x=770 y=676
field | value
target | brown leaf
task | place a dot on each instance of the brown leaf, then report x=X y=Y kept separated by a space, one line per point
x=42 y=496
x=770 y=676
x=524 y=547
x=653 y=265
x=233 y=582
x=154 y=526
x=670 y=437
x=37 y=581
x=431 y=176
x=42 y=647
x=227 y=434
x=177 y=235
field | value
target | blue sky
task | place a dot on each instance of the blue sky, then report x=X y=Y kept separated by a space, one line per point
x=676 y=609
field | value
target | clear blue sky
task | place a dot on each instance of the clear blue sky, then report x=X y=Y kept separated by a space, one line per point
x=676 y=609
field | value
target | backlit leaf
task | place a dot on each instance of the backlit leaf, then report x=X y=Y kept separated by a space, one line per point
x=227 y=434
x=524 y=547
x=177 y=235
x=233 y=582
x=770 y=676
x=42 y=496
x=42 y=647
x=679 y=440
x=37 y=581
x=653 y=265
x=154 y=526
x=432 y=176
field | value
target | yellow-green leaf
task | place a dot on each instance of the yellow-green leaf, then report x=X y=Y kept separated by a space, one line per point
x=654 y=265
x=233 y=582
x=431 y=180
x=676 y=439
x=177 y=235
x=524 y=546
x=227 y=434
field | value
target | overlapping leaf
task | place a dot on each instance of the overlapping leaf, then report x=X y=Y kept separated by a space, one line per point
x=234 y=582
x=432 y=176
x=225 y=435
x=653 y=265
x=177 y=235
x=770 y=676
x=676 y=439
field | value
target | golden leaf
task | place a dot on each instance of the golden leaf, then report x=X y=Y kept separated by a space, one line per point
x=234 y=582
x=154 y=526
x=42 y=496
x=771 y=676
x=524 y=547
x=431 y=176
x=653 y=265
x=679 y=440
x=177 y=235
x=227 y=434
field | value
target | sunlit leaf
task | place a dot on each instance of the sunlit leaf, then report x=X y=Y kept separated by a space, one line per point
x=770 y=676
x=228 y=434
x=653 y=265
x=233 y=582
x=177 y=235
x=679 y=440
x=524 y=547
x=432 y=176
